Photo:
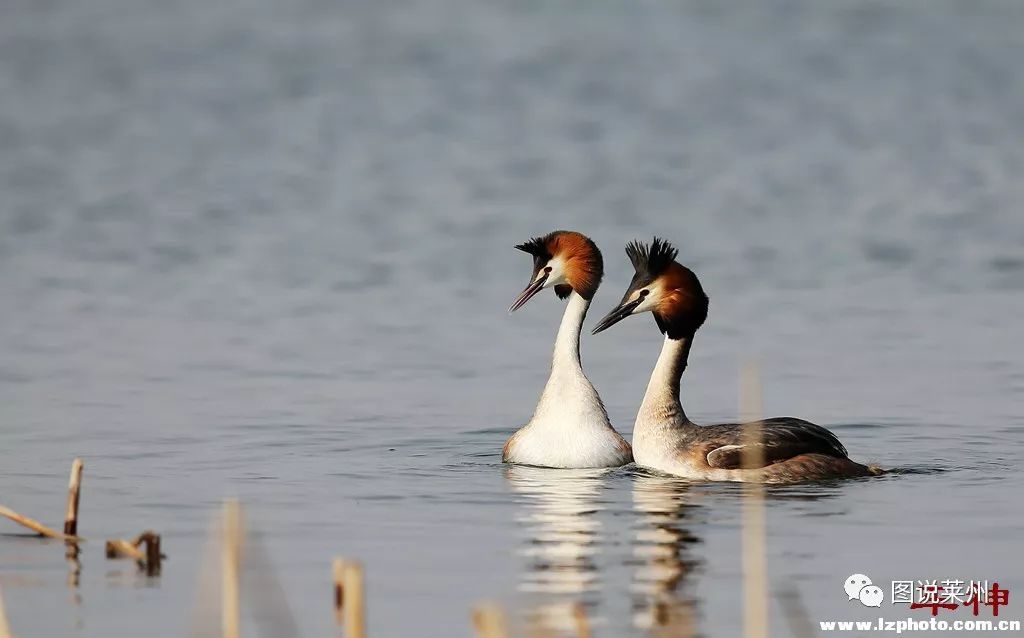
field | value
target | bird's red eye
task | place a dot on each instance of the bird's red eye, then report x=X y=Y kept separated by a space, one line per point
x=547 y=269
x=644 y=293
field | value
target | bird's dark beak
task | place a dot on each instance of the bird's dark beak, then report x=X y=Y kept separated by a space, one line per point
x=617 y=314
x=535 y=286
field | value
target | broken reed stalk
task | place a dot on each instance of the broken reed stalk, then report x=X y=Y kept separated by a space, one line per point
x=71 y=517
x=231 y=557
x=151 y=558
x=70 y=533
x=755 y=571
x=153 y=555
x=353 y=600
x=119 y=548
x=36 y=526
x=579 y=613
x=338 y=575
x=5 y=629
x=489 y=620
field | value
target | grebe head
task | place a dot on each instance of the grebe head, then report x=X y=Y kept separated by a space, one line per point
x=661 y=286
x=565 y=260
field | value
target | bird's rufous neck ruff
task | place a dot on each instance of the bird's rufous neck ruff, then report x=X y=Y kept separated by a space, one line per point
x=683 y=306
x=583 y=264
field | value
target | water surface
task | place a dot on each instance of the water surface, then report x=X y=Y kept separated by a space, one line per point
x=265 y=250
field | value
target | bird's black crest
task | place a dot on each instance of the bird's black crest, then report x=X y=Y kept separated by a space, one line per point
x=651 y=260
x=538 y=247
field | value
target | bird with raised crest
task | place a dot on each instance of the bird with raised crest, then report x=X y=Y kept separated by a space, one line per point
x=570 y=427
x=664 y=439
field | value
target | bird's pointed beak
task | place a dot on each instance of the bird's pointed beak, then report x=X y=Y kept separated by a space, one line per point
x=535 y=286
x=617 y=314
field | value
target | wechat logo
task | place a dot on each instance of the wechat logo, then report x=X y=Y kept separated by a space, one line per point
x=859 y=587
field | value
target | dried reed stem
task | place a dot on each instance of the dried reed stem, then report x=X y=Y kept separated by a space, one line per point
x=36 y=526
x=755 y=588
x=579 y=613
x=71 y=517
x=338 y=575
x=231 y=558
x=353 y=599
x=151 y=558
x=489 y=620
x=5 y=629
x=154 y=557
x=118 y=548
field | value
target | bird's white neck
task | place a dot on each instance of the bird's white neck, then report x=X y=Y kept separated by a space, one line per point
x=566 y=356
x=568 y=392
x=661 y=401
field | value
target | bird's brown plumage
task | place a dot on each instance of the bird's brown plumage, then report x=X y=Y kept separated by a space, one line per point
x=584 y=265
x=684 y=305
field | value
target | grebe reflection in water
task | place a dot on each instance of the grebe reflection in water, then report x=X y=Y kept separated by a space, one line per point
x=664 y=572
x=564 y=539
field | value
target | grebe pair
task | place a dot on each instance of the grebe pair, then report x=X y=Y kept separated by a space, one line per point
x=570 y=427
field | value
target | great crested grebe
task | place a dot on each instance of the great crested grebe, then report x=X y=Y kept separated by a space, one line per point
x=569 y=428
x=663 y=438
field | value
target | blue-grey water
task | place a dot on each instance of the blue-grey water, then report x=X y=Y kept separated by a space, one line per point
x=264 y=249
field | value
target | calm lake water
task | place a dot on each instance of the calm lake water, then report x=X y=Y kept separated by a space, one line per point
x=264 y=249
